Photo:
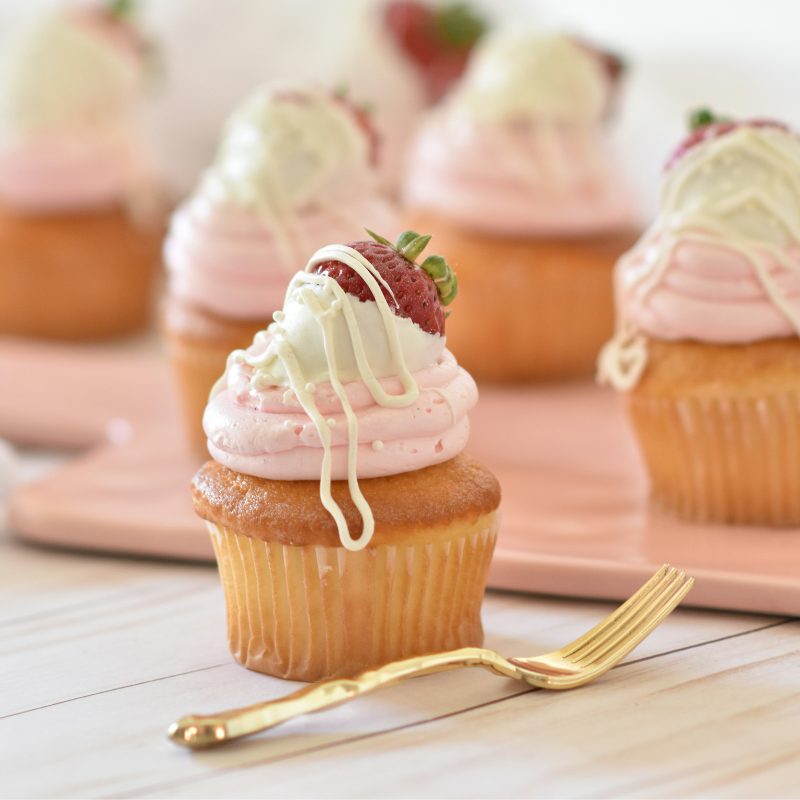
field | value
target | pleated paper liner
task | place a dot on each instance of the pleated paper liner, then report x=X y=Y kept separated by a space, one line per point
x=729 y=460
x=312 y=612
x=196 y=368
x=198 y=343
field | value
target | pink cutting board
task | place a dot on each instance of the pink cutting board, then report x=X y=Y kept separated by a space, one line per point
x=575 y=515
x=78 y=395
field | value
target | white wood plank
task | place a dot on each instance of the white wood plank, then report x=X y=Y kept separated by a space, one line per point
x=104 y=743
x=125 y=635
x=39 y=580
x=711 y=721
x=158 y=628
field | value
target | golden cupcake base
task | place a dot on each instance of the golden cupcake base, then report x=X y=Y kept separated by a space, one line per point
x=719 y=428
x=527 y=309
x=198 y=343
x=76 y=276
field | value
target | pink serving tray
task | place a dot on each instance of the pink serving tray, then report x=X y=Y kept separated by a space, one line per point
x=576 y=520
x=73 y=395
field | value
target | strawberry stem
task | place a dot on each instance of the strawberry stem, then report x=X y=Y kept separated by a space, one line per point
x=410 y=245
x=405 y=238
x=379 y=239
x=414 y=248
x=700 y=117
x=459 y=26
x=121 y=9
x=444 y=278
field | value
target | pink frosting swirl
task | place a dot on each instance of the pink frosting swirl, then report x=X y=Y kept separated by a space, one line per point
x=516 y=178
x=708 y=291
x=58 y=171
x=70 y=84
x=259 y=433
x=231 y=262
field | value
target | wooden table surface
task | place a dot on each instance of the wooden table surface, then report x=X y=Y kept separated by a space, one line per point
x=99 y=654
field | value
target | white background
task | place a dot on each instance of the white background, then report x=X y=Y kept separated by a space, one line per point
x=739 y=57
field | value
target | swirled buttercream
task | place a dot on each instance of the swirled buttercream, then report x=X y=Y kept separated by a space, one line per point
x=292 y=172
x=225 y=259
x=69 y=85
x=330 y=378
x=721 y=263
x=519 y=148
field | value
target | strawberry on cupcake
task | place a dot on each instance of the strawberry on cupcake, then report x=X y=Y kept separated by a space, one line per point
x=437 y=40
x=403 y=57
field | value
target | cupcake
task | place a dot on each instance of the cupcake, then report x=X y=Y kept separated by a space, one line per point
x=403 y=57
x=350 y=529
x=80 y=211
x=708 y=314
x=295 y=169
x=513 y=177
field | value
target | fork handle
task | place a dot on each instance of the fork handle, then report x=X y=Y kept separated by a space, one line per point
x=198 y=731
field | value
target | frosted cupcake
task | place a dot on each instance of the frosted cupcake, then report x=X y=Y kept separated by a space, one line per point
x=80 y=211
x=708 y=309
x=514 y=178
x=295 y=169
x=349 y=527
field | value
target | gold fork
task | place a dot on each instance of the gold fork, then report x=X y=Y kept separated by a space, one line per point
x=579 y=662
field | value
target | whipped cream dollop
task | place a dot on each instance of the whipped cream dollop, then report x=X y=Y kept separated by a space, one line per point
x=721 y=262
x=293 y=171
x=519 y=147
x=70 y=83
x=339 y=389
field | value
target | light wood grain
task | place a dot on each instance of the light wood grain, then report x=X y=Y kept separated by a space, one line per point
x=98 y=655
x=679 y=725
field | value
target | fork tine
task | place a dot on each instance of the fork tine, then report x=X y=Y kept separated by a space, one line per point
x=613 y=619
x=593 y=650
x=631 y=637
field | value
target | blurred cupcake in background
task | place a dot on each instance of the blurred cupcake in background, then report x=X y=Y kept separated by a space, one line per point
x=295 y=169
x=708 y=317
x=513 y=177
x=403 y=57
x=80 y=208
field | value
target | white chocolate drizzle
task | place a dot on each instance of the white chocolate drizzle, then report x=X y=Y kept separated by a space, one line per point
x=443 y=394
x=767 y=200
x=280 y=348
x=522 y=75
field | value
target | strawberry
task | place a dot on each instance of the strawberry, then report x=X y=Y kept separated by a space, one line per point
x=420 y=291
x=613 y=65
x=705 y=127
x=115 y=22
x=438 y=41
x=362 y=113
